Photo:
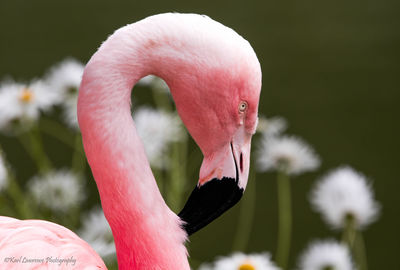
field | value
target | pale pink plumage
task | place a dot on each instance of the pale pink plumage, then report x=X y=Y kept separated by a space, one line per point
x=210 y=69
x=38 y=239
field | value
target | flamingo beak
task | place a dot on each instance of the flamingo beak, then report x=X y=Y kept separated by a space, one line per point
x=223 y=179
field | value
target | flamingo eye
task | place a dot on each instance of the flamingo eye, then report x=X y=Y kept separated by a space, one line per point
x=243 y=106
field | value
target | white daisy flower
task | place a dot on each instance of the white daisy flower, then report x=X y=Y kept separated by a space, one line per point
x=157 y=129
x=240 y=261
x=3 y=174
x=57 y=190
x=65 y=78
x=70 y=113
x=322 y=255
x=273 y=126
x=20 y=102
x=9 y=102
x=97 y=232
x=289 y=153
x=345 y=193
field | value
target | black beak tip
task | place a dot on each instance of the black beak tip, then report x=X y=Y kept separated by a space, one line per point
x=208 y=202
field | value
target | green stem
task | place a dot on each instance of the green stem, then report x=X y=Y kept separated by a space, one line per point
x=161 y=100
x=360 y=252
x=57 y=131
x=177 y=174
x=32 y=143
x=354 y=240
x=16 y=194
x=78 y=159
x=160 y=180
x=193 y=160
x=285 y=219
x=246 y=215
x=18 y=197
x=349 y=233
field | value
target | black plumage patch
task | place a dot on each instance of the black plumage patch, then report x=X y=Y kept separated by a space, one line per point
x=209 y=201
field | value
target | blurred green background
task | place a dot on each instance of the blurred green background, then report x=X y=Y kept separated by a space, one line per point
x=331 y=68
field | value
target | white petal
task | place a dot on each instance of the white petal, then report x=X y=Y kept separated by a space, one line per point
x=260 y=261
x=157 y=129
x=341 y=192
x=65 y=75
x=57 y=190
x=298 y=155
x=273 y=126
x=321 y=254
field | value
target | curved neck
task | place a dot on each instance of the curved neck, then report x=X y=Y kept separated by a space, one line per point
x=146 y=232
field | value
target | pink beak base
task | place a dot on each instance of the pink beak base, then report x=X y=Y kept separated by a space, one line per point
x=223 y=179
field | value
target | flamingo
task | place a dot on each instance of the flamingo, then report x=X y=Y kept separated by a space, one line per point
x=215 y=81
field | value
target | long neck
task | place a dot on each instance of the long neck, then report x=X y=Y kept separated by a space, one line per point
x=147 y=233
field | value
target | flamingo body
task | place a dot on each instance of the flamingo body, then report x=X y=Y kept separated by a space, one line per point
x=215 y=80
x=38 y=244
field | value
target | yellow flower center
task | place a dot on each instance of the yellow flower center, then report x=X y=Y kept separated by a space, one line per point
x=26 y=95
x=246 y=266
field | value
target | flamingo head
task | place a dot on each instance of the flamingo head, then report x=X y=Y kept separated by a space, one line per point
x=220 y=110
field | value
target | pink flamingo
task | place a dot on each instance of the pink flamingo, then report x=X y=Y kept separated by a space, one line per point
x=215 y=80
